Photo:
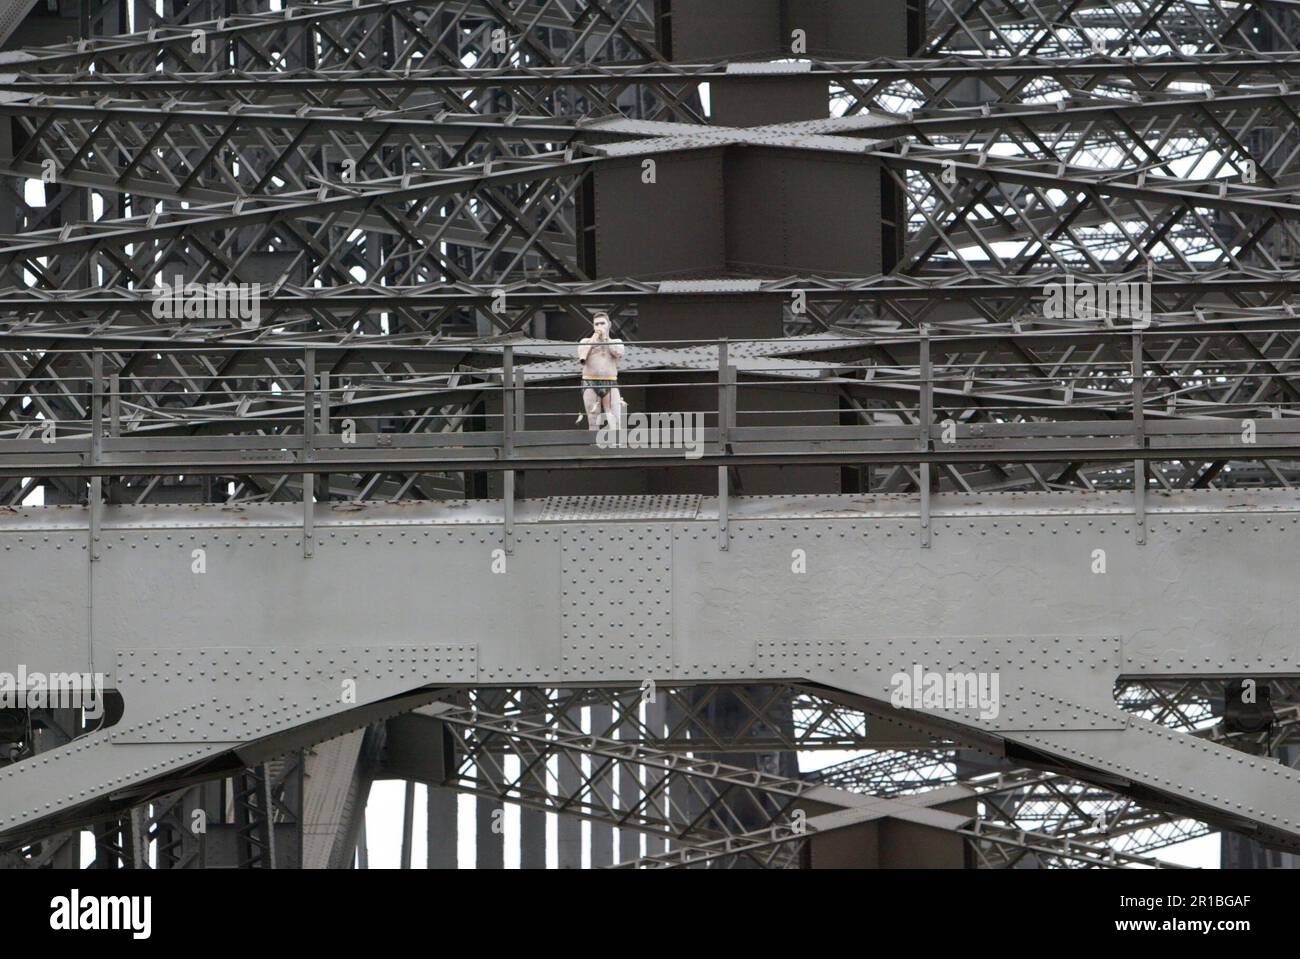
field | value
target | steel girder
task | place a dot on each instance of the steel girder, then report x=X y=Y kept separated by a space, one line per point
x=688 y=717
x=1051 y=804
x=872 y=84
x=392 y=33
x=1025 y=816
x=1091 y=139
x=1067 y=204
x=701 y=806
x=1009 y=27
x=1069 y=722
x=1059 y=28
x=298 y=315
x=79 y=122
x=401 y=31
x=1083 y=116
x=679 y=797
x=1043 y=811
x=411 y=207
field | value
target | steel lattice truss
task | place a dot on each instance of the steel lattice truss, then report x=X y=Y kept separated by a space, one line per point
x=546 y=750
x=387 y=170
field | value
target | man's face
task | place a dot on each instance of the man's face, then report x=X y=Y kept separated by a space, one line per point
x=601 y=326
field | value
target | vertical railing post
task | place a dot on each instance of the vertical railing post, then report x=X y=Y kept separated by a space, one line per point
x=520 y=401
x=324 y=430
x=724 y=507
x=724 y=443
x=925 y=416
x=115 y=405
x=520 y=398
x=1140 y=442
x=508 y=402
x=508 y=500
x=508 y=444
x=96 y=406
x=114 y=415
x=308 y=440
x=724 y=400
x=94 y=494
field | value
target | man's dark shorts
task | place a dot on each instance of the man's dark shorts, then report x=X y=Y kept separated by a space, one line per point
x=602 y=387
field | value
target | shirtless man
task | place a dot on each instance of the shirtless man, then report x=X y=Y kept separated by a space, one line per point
x=600 y=356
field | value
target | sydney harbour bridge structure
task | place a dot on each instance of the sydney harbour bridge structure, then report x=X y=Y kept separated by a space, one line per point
x=355 y=534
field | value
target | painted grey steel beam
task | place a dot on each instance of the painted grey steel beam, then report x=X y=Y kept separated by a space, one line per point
x=489 y=814
x=328 y=782
x=819 y=723
x=443 y=828
x=987 y=598
x=1228 y=65
x=568 y=829
x=655 y=721
x=12 y=13
x=532 y=839
x=600 y=844
x=1098 y=442
x=1166 y=285
x=318 y=19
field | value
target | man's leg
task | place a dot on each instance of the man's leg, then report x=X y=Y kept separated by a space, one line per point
x=615 y=407
x=592 y=404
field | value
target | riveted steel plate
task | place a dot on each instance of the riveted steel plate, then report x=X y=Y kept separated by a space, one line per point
x=41 y=626
x=257 y=590
x=702 y=644
x=234 y=694
x=617 y=600
x=1249 y=789
x=84 y=769
x=1042 y=682
x=1013 y=573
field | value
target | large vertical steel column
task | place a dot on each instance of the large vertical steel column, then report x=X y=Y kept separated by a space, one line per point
x=442 y=833
x=489 y=833
x=408 y=824
x=532 y=831
x=656 y=723
x=629 y=785
x=568 y=829
x=602 y=836
x=489 y=844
